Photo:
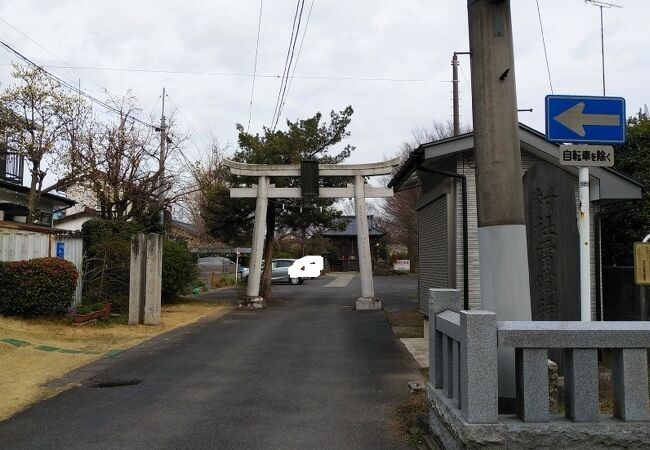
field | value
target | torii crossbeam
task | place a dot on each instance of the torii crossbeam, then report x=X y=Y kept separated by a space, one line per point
x=264 y=190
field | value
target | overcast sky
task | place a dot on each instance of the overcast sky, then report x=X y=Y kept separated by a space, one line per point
x=347 y=43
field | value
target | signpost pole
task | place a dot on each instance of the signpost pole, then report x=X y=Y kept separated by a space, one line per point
x=236 y=265
x=585 y=246
x=642 y=289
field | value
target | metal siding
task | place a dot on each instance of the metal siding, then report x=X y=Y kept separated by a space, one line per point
x=465 y=166
x=18 y=246
x=433 y=252
x=73 y=252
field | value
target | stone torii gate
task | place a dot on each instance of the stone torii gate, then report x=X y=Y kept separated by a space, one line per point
x=359 y=190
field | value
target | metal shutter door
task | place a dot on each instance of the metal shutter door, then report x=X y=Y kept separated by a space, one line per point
x=432 y=249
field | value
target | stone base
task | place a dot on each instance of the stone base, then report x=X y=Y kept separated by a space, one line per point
x=252 y=303
x=452 y=432
x=368 y=304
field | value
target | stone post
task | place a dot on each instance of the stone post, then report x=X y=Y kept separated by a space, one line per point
x=145 y=282
x=581 y=384
x=531 y=366
x=478 y=366
x=255 y=274
x=367 y=301
x=630 y=384
x=137 y=278
x=439 y=300
x=153 y=283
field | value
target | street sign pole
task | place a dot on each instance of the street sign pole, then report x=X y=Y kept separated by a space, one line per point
x=585 y=120
x=642 y=291
x=585 y=246
x=237 y=266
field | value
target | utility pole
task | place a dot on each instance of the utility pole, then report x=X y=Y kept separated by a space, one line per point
x=161 y=166
x=503 y=251
x=454 y=72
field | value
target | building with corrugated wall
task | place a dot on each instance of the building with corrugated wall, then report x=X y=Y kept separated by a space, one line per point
x=552 y=200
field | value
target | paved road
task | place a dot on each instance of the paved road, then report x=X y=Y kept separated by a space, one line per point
x=307 y=372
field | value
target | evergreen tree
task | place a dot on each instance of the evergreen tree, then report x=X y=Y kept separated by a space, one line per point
x=232 y=219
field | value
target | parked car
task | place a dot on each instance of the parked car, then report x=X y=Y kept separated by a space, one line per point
x=311 y=266
x=214 y=264
x=280 y=271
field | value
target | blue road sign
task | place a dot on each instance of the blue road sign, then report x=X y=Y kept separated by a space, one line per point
x=60 y=249
x=585 y=120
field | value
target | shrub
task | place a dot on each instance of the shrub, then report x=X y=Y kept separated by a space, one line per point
x=107 y=273
x=178 y=269
x=97 y=231
x=41 y=286
x=107 y=245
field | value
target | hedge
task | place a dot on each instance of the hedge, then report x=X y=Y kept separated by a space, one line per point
x=107 y=245
x=178 y=269
x=42 y=286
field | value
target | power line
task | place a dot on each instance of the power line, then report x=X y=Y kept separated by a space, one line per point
x=71 y=87
x=541 y=28
x=53 y=55
x=257 y=44
x=297 y=17
x=246 y=75
x=297 y=57
x=88 y=96
x=37 y=44
x=286 y=80
x=191 y=127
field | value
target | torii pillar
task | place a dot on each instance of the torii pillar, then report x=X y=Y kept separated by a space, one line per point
x=367 y=301
x=359 y=190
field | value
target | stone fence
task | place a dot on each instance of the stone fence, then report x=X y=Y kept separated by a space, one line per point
x=463 y=380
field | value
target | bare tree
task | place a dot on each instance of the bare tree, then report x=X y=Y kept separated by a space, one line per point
x=205 y=175
x=398 y=215
x=45 y=123
x=120 y=161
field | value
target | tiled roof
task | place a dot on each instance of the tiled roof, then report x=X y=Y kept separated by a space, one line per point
x=351 y=228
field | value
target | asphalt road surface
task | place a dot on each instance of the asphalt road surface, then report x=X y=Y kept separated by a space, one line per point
x=306 y=372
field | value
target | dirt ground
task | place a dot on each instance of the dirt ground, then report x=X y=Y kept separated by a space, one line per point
x=35 y=351
x=406 y=324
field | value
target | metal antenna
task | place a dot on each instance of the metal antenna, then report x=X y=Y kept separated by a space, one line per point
x=602 y=5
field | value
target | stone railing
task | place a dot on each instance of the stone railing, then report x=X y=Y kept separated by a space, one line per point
x=463 y=375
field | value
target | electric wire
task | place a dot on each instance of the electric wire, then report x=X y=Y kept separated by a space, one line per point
x=78 y=91
x=541 y=28
x=155 y=104
x=37 y=44
x=246 y=75
x=288 y=58
x=257 y=44
x=66 y=65
x=187 y=160
x=304 y=32
x=286 y=80
x=71 y=87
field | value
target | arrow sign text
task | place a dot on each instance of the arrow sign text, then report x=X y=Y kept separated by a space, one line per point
x=586 y=120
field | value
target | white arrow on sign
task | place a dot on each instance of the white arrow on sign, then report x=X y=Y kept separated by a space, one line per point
x=575 y=120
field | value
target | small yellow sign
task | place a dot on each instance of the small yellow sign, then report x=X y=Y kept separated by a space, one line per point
x=641 y=263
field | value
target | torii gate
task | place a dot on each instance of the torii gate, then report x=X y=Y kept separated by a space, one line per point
x=359 y=190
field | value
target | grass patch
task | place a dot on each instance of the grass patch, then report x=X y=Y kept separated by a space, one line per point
x=34 y=351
